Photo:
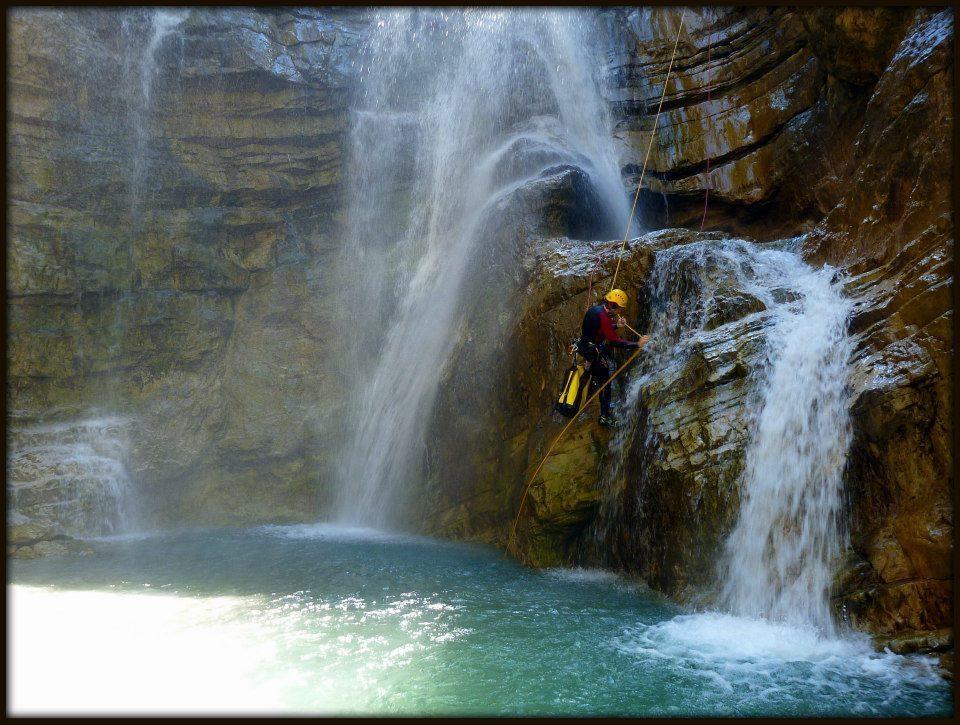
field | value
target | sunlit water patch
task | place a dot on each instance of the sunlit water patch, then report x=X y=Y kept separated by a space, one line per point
x=326 y=620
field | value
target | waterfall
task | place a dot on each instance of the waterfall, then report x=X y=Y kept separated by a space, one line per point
x=781 y=553
x=779 y=558
x=141 y=60
x=456 y=109
x=679 y=310
x=71 y=476
x=143 y=33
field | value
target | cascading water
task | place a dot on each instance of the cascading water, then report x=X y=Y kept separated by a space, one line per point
x=680 y=309
x=782 y=552
x=71 y=476
x=779 y=557
x=141 y=59
x=456 y=110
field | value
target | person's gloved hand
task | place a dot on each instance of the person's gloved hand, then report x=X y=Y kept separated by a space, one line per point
x=643 y=340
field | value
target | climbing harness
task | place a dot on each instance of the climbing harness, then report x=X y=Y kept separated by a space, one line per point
x=511 y=542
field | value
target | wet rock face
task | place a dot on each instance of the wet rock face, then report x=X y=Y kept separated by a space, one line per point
x=891 y=226
x=762 y=105
x=835 y=122
x=493 y=413
x=855 y=44
x=174 y=192
x=742 y=91
x=671 y=483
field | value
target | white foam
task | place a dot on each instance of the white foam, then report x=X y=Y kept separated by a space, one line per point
x=728 y=637
x=737 y=653
x=582 y=575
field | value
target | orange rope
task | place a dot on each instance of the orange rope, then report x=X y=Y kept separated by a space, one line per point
x=513 y=532
x=523 y=498
x=646 y=158
x=706 y=177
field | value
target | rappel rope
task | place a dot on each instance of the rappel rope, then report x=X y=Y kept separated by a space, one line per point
x=513 y=532
x=523 y=498
x=653 y=133
x=706 y=176
x=596 y=268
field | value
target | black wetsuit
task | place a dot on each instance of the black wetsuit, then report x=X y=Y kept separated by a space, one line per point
x=596 y=334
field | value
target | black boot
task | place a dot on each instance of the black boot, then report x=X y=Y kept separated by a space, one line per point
x=608 y=421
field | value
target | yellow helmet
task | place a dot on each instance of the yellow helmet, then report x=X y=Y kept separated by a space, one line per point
x=617 y=296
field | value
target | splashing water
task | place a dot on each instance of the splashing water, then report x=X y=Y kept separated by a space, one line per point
x=782 y=552
x=457 y=109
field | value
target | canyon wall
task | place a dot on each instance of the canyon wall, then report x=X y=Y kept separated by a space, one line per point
x=832 y=127
x=176 y=201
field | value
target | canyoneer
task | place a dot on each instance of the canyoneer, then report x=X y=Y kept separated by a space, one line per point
x=598 y=334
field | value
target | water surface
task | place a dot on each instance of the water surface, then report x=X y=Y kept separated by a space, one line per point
x=338 y=620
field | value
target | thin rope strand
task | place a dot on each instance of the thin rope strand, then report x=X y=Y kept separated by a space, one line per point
x=653 y=132
x=636 y=198
x=523 y=498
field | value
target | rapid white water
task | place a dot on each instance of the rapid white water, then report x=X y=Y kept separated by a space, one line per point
x=759 y=662
x=456 y=109
x=783 y=550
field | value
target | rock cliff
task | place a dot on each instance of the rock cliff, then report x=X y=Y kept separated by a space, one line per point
x=830 y=126
x=176 y=199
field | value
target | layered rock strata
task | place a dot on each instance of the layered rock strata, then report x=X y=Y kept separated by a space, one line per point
x=175 y=180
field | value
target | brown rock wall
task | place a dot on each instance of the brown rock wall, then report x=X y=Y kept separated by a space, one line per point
x=173 y=213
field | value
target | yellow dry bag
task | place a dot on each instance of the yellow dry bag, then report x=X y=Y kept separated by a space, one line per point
x=574 y=391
